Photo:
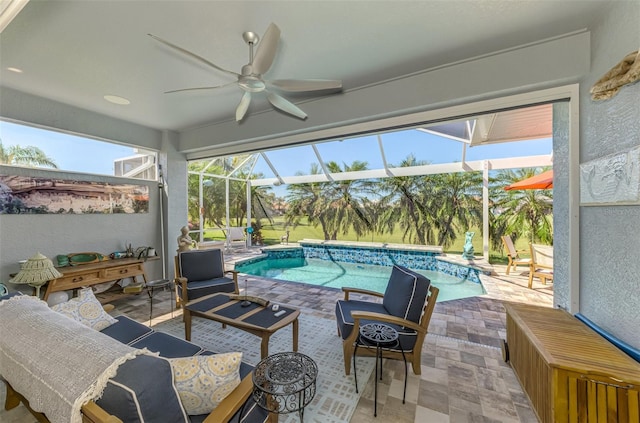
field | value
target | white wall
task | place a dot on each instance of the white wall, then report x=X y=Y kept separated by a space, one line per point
x=22 y=236
x=609 y=241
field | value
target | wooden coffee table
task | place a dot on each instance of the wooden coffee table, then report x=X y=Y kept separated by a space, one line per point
x=254 y=319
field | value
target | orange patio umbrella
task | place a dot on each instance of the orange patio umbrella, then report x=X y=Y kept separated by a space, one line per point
x=543 y=180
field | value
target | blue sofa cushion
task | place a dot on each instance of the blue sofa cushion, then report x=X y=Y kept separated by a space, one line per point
x=201 y=265
x=131 y=397
x=345 y=321
x=250 y=413
x=127 y=330
x=406 y=293
x=168 y=346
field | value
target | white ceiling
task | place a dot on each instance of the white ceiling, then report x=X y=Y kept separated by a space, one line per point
x=75 y=52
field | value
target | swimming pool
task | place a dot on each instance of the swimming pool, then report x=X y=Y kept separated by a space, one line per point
x=337 y=274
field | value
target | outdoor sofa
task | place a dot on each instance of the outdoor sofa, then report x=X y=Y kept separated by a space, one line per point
x=143 y=389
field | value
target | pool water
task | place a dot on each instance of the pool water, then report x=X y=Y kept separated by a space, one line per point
x=365 y=276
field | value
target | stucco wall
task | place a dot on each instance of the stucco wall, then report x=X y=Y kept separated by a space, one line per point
x=609 y=241
x=22 y=236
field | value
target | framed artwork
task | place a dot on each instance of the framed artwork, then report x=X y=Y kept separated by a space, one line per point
x=33 y=195
x=611 y=180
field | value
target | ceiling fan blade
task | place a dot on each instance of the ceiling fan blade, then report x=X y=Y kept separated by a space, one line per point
x=301 y=85
x=243 y=106
x=266 y=50
x=200 y=88
x=193 y=55
x=286 y=106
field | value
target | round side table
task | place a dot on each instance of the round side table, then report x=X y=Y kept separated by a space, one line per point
x=380 y=336
x=285 y=383
x=155 y=285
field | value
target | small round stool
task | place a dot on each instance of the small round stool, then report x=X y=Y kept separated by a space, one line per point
x=285 y=383
x=380 y=336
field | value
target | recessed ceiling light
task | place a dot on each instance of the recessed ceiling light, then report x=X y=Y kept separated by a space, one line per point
x=117 y=99
x=16 y=70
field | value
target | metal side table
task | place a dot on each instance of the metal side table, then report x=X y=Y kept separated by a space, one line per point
x=380 y=336
x=160 y=284
x=285 y=383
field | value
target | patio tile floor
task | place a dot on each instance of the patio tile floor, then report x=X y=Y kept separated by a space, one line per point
x=463 y=376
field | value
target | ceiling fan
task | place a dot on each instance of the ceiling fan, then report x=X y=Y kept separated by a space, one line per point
x=250 y=79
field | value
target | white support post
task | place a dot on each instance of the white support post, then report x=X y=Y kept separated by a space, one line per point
x=248 y=243
x=226 y=195
x=200 y=207
x=485 y=211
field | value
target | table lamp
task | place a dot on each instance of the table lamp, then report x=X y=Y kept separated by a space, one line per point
x=36 y=271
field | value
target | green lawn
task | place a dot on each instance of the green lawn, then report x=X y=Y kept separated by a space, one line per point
x=271 y=234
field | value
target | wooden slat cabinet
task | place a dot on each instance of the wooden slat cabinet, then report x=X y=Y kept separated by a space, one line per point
x=568 y=371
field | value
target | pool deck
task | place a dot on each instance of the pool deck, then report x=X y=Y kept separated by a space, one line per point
x=463 y=376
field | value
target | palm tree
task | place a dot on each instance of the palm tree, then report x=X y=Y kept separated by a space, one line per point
x=520 y=213
x=455 y=202
x=406 y=193
x=344 y=199
x=306 y=200
x=336 y=206
x=25 y=156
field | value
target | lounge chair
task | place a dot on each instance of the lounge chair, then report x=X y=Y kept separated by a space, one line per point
x=541 y=263
x=513 y=255
x=236 y=235
x=200 y=273
x=406 y=306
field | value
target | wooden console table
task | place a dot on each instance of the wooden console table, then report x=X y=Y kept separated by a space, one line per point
x=84 y=275
x=568 y=371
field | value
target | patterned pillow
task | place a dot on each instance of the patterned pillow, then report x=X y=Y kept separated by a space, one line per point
x=86 y=309
x=204 y=381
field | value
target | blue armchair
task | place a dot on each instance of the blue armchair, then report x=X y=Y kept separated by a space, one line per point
x=200 y=273
x=407 y=306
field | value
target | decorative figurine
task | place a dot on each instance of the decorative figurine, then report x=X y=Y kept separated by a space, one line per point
x=184 y=240
x=467 y=250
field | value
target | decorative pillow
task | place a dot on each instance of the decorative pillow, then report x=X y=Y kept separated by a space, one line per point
x=204 y=381
x=86 y=309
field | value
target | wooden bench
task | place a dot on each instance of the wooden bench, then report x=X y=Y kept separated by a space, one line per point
x=568 y=371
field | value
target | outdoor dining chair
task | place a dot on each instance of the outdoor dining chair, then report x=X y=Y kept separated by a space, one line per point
x=513 y=254
x=541 y=263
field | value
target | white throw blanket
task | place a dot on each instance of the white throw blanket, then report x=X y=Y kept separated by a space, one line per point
x=55 y=362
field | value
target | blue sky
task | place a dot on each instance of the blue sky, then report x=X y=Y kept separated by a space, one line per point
x=90 y=156
x=68 y=151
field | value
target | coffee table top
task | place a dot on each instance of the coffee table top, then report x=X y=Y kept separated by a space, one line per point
x=221 y=308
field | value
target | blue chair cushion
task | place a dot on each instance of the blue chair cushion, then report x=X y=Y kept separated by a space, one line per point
x=127 y=330
x=202 y=288
x=406 y=294
x=201 y=265
x=168 y=346
x=130 y=396
x=345 y=321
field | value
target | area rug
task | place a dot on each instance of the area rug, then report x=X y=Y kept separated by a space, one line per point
x=336 y=396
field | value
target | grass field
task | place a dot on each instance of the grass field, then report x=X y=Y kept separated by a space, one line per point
x=271 y=234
